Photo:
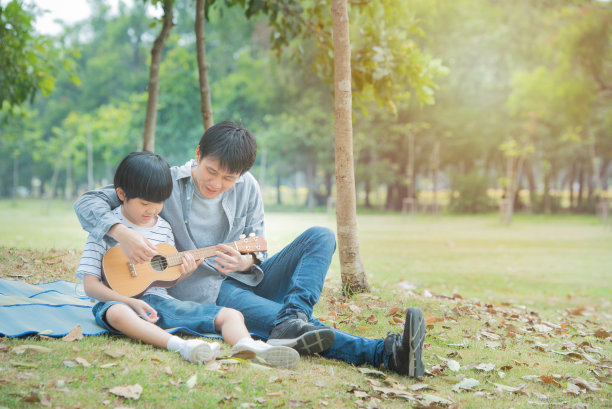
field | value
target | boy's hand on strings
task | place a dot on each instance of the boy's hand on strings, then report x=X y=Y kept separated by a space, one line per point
x=189 y=265
x=143 y=309
x=135 y=246
x=231 y=259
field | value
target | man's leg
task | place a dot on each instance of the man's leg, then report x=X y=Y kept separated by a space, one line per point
x=294 y=277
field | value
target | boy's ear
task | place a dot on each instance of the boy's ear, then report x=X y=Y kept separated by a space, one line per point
x=198 y=154
x=120 y=194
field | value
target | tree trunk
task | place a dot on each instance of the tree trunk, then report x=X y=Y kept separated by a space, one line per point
x=367 y=188
x=205 y=102
x=148 y=139
x=279 y=198
x=580 y=187
x=15 y=176
x=603 y=174
x=572 y=175
x=68 y=188
x=530 y=182
x=435 y=169
x=311 y=172
x=351 y=268
x=90 y=176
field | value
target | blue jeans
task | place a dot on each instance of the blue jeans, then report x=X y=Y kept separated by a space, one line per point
x=293 y=281
x=172 y=313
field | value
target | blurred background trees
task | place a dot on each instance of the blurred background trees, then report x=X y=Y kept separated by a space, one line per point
x=459 y=106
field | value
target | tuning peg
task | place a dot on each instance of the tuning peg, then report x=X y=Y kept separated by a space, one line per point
x=252 y=234
x=243 y=236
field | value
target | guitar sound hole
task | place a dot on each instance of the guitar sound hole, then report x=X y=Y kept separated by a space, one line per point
x=159 y=263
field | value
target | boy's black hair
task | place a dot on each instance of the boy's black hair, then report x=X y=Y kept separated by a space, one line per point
x=144 y=175
x=233 y=145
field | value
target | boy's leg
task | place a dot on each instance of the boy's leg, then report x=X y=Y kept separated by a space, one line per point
x=260 y=313
x=124 y=319
x=121 y=317
x=230 y=323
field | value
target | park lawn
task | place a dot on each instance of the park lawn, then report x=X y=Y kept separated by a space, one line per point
x=525 y=310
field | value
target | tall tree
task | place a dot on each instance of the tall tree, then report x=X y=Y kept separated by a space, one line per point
x=351 y=267
x=206 y=104
x=148 y=138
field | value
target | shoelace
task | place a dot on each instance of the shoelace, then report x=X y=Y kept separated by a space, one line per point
x=396 y=342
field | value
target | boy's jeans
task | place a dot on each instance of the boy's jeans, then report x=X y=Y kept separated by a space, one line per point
x=293 y=281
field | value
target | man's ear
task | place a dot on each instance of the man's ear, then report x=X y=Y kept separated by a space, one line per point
x=120 y=194
x=198 y=154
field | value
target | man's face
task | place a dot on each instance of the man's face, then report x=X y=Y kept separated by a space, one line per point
x=211 y=179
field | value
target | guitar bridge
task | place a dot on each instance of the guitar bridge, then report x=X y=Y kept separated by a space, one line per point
x=132 y=270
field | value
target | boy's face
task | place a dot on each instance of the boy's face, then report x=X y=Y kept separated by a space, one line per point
x=138 y=211
x=210 y=178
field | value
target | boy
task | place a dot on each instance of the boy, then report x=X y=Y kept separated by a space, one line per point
x=142 y=183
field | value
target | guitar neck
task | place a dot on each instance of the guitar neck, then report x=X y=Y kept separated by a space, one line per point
x=177 y=258
x=245 y=245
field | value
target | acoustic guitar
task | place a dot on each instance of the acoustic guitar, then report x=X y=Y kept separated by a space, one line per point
x=164 y=269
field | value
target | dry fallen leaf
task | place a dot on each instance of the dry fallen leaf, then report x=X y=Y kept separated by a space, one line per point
x=192 y=381
x=127 y=391
x=20 y=349
x=550 y=380
x=82 y=361
x=75 y=334
x=45 y=399
x=278 y=394
x=466 y=384
x=488 y=367
x=114 y=352
x=572 y=389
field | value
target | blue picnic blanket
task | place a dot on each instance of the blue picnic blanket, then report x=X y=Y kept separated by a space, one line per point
x=52 y=309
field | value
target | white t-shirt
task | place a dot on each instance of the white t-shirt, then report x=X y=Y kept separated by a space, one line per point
x=93 y=253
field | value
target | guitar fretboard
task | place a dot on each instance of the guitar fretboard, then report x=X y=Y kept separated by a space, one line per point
x=177 y=258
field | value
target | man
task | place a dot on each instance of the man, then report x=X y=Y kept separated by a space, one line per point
x=215 y=200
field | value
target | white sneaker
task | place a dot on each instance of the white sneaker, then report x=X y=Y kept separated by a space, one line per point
x=198 y=351
x=276 y=356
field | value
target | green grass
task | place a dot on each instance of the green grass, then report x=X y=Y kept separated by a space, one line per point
x=469 y=274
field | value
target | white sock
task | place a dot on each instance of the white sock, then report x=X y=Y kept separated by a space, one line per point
x=175 y=343
x=250 y=344
x=186 y=349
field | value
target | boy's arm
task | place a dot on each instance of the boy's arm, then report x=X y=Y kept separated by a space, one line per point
x=94 y=288
x=93 y=210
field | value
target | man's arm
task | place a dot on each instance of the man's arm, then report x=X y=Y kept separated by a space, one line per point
x=93 y=210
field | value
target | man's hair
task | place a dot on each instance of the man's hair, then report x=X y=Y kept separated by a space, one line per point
x=144 y=175
x=233 y=145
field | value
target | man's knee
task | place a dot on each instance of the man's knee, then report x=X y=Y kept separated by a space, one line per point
x=322 y=234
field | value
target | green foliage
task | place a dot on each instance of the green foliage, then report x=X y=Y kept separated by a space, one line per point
x=470 y=194
x=533 y=73
x=29 y=61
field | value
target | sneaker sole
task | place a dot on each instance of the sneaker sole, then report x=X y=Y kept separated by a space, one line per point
x=203 y=353
x=416 y=365
x=312 y=342
x=280 y=357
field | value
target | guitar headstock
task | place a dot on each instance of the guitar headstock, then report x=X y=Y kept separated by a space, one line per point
x=251 y=244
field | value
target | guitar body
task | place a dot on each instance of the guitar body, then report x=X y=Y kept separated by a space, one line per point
x=164 y=269
x=117 y=271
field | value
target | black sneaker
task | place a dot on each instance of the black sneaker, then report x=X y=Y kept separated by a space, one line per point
x=405 y=350
x=299 y=334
